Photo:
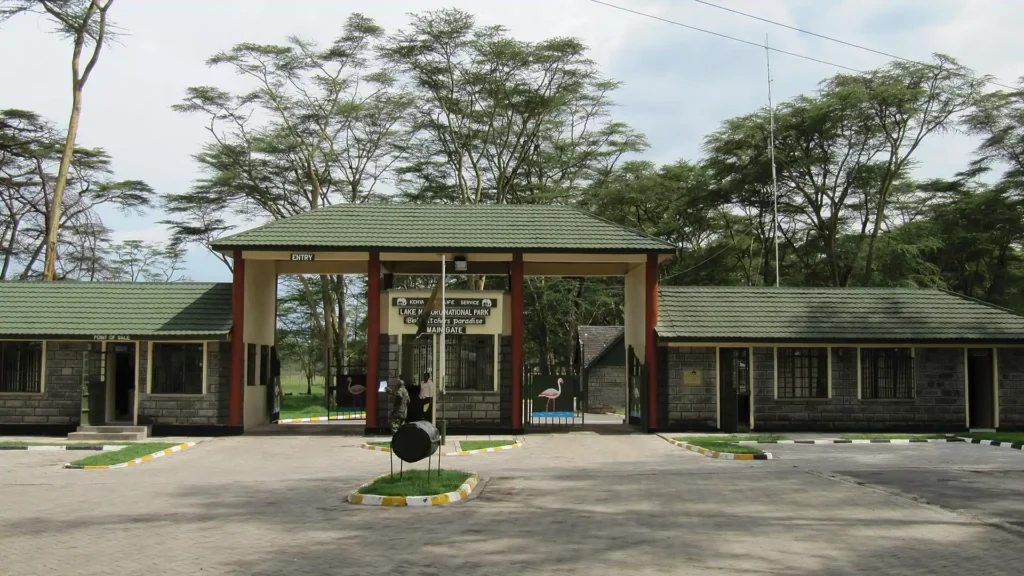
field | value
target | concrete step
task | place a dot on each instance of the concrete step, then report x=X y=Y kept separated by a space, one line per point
x=116 y=429
x=107 y=436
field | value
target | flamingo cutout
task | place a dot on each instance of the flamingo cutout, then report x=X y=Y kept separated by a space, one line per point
x=551 y=394
x=355 y=390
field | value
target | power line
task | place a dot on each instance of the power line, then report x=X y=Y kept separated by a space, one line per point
x=831 y=39
x=761 y=47
x=726 y=36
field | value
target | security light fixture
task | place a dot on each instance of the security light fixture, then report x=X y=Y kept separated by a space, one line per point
x=460 y=264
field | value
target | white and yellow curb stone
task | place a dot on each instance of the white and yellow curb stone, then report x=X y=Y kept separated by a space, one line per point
x=356 y=416
x=717 y=455
x=146 y=458
x=434 y=500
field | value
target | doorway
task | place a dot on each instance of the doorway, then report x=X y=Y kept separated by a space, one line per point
x=981 y=388
x=734 y=389
x=121 y=382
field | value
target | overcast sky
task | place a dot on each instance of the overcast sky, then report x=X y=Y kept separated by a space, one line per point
x=679 y=84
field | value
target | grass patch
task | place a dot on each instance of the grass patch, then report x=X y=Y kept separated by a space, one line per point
x=1011 y=437
x=297 y=404
x=720 y=444
x=384 y=444
x=620 y=411
x=415 y=483
x=129 y=452
x=481 y=444
x=894 y=436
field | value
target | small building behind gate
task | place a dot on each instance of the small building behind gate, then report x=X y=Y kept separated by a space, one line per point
x=603 y=353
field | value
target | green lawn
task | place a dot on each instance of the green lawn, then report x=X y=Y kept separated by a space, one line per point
x=129 y=452
x=481 y=444
x=721 y=444
x=415 y=483
x=296 y=403
x=1012 y=437
x=894 y=436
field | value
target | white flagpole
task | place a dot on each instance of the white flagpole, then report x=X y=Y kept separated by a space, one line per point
x=439 y=392
x=775 y=182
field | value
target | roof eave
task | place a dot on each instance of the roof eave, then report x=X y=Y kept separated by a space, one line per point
x=227 y=249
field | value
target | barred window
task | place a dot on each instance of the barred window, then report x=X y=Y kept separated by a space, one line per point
x=803 y=372
x=264 y=365
x=887 y=373
x=177 y=368
x=250 y=364
x=21 y=366
x=469 y=362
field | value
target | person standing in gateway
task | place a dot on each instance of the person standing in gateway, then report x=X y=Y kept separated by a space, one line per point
x=427 y=397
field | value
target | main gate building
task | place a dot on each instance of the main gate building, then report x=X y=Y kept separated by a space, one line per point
x=191 y=358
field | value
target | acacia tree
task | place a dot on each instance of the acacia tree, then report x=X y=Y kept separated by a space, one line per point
x=30 y=152
x=500 y=120
x=319 y=126
x=84 y=22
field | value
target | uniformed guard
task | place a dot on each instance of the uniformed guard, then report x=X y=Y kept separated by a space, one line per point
x=399 y=403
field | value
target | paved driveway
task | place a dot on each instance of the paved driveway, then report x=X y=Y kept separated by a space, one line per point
x=568 y=504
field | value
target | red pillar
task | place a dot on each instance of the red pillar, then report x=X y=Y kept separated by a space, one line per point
x=236 y=386
x=517 y=340
x=651 y=338
x=372 y=338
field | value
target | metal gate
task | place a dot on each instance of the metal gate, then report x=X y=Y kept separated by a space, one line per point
x=552 y=401
x=345 y=399
x=637 y=397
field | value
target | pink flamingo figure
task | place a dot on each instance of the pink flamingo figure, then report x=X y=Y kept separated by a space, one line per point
x=551 y=394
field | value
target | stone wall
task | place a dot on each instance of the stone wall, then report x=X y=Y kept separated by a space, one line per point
x=1010 y=364
x=692 y=407
x=606 y=388
x=210 y=408
x=938 y=404
x=388 y=367
x=60 y=402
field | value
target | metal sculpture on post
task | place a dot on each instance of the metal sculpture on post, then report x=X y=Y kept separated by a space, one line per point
x=414 y=442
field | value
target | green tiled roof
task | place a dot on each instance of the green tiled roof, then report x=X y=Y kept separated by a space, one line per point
x=768 y=314
x=114 y=308
x=434 y=227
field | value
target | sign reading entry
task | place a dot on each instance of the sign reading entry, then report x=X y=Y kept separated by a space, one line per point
x=303 y=257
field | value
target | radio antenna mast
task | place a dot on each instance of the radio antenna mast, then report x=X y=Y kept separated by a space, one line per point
x=771 y=143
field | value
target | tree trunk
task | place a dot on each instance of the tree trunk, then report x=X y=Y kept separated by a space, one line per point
x=9 y=249
x=56 y=203
x=328 y=332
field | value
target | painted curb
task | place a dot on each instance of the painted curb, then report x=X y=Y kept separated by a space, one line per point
x=717 y=455
x=516 y=444
x=995 y=443
x=368 y=446
x=146 y=458
x=859 y=441
x=104 y=448
x=359 y=416
x=436 y=500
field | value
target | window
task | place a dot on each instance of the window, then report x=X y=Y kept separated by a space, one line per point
x=177 y=368
x=250 y=364
x=469 y=362
x=21 y=366
x=887 y=373
x=264 y=365
x=802 y=372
